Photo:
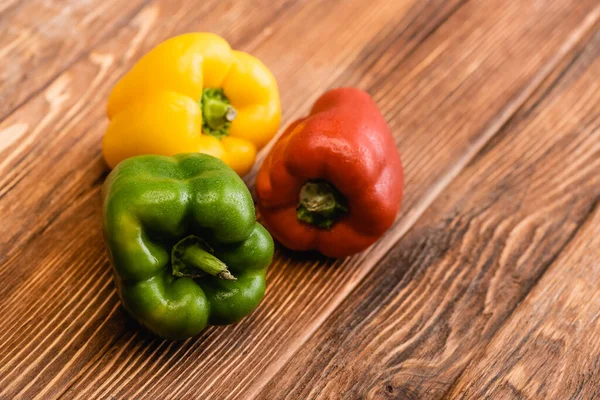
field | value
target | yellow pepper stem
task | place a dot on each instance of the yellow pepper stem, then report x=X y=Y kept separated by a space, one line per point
x=217 y=112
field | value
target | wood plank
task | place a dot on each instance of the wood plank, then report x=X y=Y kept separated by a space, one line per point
x=57 y=280
x=66 y=122
x=416 y=321
x=349 y=58
x=39 y=39
x=62 y=113
x=302 y=292
x=72 y=109
x=550 y=347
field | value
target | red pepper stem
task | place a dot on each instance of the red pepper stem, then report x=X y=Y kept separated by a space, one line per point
x=321 y=204
x=192 y=257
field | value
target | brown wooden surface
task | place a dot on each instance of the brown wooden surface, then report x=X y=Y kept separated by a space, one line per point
x=432 y=304
x=487 y=285
x=549 y=348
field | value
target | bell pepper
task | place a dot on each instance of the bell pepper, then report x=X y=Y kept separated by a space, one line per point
x=333 y=182
x=193 y=93
x=183 y=240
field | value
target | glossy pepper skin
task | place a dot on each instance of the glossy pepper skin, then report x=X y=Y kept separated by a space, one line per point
x=160 y=107
x=178 y=230
x=333 y=182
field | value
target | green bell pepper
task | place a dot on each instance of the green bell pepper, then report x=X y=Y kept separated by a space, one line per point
x=182 y=236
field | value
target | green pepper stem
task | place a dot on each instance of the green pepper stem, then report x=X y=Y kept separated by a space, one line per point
x=321 y=204
x=217 y=112
x=192 y=257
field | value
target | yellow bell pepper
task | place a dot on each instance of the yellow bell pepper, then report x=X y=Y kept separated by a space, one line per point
x=193 y=93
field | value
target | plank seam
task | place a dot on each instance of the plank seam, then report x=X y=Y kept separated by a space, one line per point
x=430 y=32
x=586 y=38
x=497 y=124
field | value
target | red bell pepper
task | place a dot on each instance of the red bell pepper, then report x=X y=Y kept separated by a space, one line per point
x=333 y=181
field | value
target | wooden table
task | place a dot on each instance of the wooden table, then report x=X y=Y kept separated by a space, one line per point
x=487 y=286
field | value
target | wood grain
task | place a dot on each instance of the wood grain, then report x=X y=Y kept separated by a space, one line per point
x=550 y=347
x=416 y=321
x=71 y=111
x=39 y=39
x=51 y=246
x=306 y=292
x=63 y=331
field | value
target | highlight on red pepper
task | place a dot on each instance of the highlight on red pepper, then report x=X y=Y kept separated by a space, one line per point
x=333 y=182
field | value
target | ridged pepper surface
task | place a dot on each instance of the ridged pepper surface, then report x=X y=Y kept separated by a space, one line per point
x=182 y=236
x=333 y=182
